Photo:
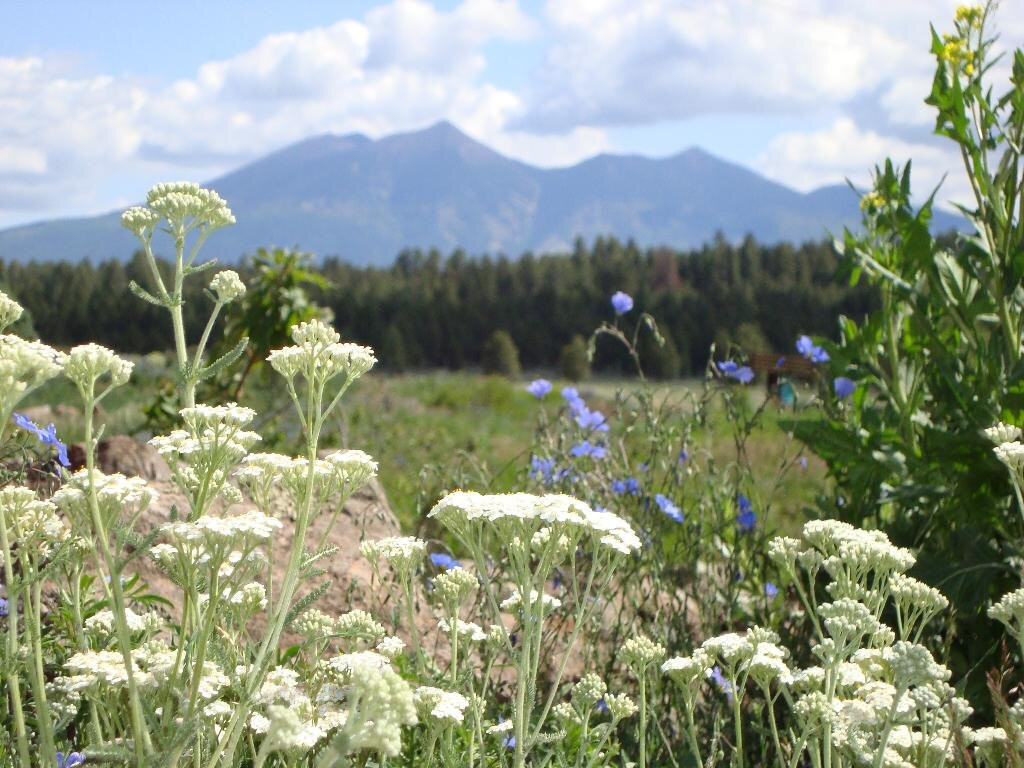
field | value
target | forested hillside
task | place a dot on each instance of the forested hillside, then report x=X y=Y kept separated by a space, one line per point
x=434 y=310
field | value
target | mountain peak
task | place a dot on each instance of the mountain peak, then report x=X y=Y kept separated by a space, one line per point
x=365 y=200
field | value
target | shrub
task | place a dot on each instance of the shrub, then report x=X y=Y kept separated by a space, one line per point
x=573 y=361
x=500 y=355
x=941 y=359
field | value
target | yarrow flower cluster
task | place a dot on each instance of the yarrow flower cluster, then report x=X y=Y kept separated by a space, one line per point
x=523 y=514
x=319 y=356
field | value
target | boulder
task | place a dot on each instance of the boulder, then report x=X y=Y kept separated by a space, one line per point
x=365 y=515
x=122 y=454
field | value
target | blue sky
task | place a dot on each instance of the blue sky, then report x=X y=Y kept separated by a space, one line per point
x=100 y=100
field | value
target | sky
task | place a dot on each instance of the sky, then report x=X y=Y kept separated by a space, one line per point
x=99 y=100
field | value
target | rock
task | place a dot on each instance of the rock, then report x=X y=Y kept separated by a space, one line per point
x=52 y=414
x=365 y=515
x=122 y=454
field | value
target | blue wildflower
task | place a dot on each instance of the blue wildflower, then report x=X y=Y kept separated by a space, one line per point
x=843 y=387
x=770 y=590
x=811 y=351
x=746 y=518
x=70 y=760
x=621 y=302
x=588 y=419
x=684 y=456
x=667 y=506
x=556 y=580
x=802 y=461
x=47 y=436
x=630 y=485
x=509 y=742
x=744 y=374
x=781 y=362
x=441 y=560
x=542 y=468
x=602 y=706
x=539 y=388
x=721 y=682
x=586 y=448
x=3 y=608
x=572 y=399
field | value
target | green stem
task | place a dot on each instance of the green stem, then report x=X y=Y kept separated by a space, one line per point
x=643 y=719
x=140 y=733
x=14 y=685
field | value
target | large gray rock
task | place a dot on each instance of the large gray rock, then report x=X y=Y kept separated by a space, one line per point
x=123 y=455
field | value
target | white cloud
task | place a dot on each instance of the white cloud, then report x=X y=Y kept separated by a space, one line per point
x=402 y=66
x=861 y=68
x=624 y=62
x=808 y=160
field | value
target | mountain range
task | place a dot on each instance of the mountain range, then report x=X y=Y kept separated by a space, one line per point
x=365 y=200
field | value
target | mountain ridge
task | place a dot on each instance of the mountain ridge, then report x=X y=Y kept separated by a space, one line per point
x=365 y=200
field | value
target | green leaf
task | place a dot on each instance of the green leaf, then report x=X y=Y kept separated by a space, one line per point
x=225 y=360
x=145 y=295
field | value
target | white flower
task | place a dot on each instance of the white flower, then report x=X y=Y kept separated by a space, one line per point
x=730 y=648
x=10 y=310
x=402 y=552
x=640 y=652
x=227 y=285
x=1003 y=433
x=319 y=355
x=466 y=629
x=589 y=690
x=391 y=646
x=524 y=514
x=620 y=706
x=359 y=625
x=24 y=365
x=1011 y=454
x=184 y=203
x=515 y=600
x=88 y=362
x=443 y=707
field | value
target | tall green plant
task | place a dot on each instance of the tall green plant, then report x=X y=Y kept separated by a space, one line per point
x=941 y=359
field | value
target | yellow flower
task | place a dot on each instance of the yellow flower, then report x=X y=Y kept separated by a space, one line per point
x=969 y=14
x=872 y=201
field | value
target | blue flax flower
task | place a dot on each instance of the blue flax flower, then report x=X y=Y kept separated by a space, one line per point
x=811 y=351
x=721 y=682
x=47 y=436
x=621 y=302
x=3 y=608
x=843 y=387
x=770 y=590
x=441 y=560
x=588 y=419
x=586 y=448
x=746 y=518
x=744 y=374
x=630 y=485
x=572 y=398
x=602 y=706
x=669 y=507
x=543 y=469
x=539 y=388
x=684 y=456
x=70 y=760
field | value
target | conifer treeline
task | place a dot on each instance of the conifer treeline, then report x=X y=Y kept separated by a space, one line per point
x=428 y=310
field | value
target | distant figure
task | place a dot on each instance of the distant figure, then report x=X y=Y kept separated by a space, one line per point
x=787 y=394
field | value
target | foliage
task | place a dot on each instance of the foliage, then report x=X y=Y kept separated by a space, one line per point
x=275 y=300
x=500 y=355
x=941 y=358
x=431 y=311
x=573 y=361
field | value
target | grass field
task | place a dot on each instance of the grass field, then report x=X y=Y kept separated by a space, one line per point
x=426 y=429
